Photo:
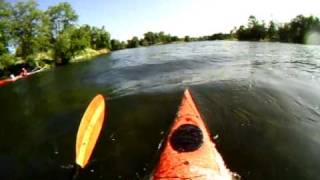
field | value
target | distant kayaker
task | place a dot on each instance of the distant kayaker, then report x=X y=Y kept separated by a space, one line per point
x=24 y=72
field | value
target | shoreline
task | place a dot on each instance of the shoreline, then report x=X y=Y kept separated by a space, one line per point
x=86 y=55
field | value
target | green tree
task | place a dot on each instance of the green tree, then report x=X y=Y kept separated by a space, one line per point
x=143 y=42
x=150 y=38
x=100 y=38
x=300 y=26
x=254 y=31
x=61 y=16
x=174 y=38
x=5 y=23
x=80 y=39
x=42 y=40
x=283 y=33
x=61 y=19
x=133 y=43
x=117 y=45
x=272 y=33
x=25 y=27
x=252 y=22
x=187 y=38
x=219 y=36
x=69 y=42
x=6 y=60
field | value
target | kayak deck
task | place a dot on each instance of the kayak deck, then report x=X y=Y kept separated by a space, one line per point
x=189 y=152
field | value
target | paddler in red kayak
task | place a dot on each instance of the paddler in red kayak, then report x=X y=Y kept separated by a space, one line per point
x=23 y=72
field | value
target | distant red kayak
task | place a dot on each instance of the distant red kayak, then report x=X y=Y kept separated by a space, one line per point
x=9 y=80
x=189 y=152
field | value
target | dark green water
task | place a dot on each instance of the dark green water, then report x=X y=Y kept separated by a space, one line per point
x=262 y=100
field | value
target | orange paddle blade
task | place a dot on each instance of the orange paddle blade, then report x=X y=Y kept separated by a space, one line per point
x=89 y=130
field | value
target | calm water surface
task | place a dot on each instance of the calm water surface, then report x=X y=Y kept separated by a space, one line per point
x=262 y=101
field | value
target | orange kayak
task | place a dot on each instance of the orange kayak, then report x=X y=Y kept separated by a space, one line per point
x=189 y=153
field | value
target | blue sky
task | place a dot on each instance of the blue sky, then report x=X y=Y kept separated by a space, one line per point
x=127 y=18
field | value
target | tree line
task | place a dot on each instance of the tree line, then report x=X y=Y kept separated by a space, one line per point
x=150 y=38
x=295 y=31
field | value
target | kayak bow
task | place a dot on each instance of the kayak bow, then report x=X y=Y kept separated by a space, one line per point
x=188 y=152
x=89 y=130
x=5 y=81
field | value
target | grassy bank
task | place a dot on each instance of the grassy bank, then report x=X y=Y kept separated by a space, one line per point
x=88 y=54
x=45 y=60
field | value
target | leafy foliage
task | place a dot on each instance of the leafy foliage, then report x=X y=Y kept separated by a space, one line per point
x=5 y=23
x=30 y=32
x=117 y=45
x=300 y=26
x=61 y=17
x=151 y=38
x=254 y=30
x=100 y=38
x=187 y=39
x=133 y=43
x=6 y=60
x=26 y=27
x=295 y=31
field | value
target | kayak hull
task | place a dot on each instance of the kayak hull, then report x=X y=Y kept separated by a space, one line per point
x=9 y=80
x=5 y=81
x=189 y=152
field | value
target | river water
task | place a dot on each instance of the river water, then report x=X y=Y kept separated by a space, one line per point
x=260 y=100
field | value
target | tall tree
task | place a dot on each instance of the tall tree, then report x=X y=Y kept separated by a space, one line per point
x=150 y=38
x=283 y=33
x=301 y=25
x=61 y=17
x=25 y=27
x=69 y=42
x=254 y=31
x=133 y=43
x=61 y=20
x=5 y=23
x=272 y=31
x=100 y=38
x=187 y=39
x=117 y=45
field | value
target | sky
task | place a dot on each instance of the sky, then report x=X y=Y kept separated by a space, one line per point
x=127 y=18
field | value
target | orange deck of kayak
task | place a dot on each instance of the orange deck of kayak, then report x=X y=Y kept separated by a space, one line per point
x=203 y=163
